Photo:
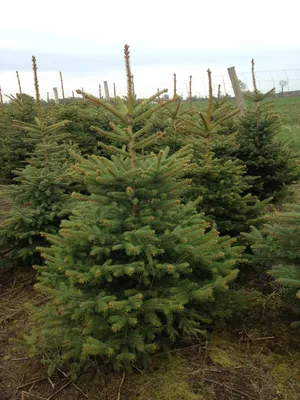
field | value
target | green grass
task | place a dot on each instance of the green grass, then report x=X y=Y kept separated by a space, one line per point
x=289 y=110
x=292 y=133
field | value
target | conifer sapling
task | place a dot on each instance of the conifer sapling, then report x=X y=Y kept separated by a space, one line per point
x=133 y=267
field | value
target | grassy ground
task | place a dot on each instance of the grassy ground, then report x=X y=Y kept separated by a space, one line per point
x=289 y=110
x=287 y=107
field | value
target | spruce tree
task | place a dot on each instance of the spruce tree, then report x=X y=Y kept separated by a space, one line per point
x=220 y=180
x=41 y=191
x=224 y=143
x=13 y=149
x=133 y=267
x=81 y=120
x=277 y=247
x=272 y=165
x=171 y=120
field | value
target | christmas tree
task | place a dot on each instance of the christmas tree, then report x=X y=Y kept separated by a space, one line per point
x=272 y=165
x=13 y=149
x=133 y=267
x=220 y=181
x=277 y=247
x=81 y=119
x=40 y=196
x=224 y=143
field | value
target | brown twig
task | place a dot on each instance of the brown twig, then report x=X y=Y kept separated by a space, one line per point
x=121 y=384
x=74 y=384
x=59 y=390
x=9 y=373
x=16 y=391
x=51 y=383
x=31 y=382
x=265 y=303
x=32 y=395
x=182 y=349
x=230 y=388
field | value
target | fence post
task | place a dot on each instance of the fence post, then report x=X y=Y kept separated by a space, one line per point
x=237 y=90
x=62 y=86
x=55 y=92
x=106 y=90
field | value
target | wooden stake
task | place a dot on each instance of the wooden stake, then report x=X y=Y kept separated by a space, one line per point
x=190 y=94
x=239 y=98
x=107 y=97
x=55 y=92
x=20 y=88
x=73 y=94
x=47 y=97
x=62 y=86
x=115 y=92
x=219 y=91
x=174 y=87
x=100 y=94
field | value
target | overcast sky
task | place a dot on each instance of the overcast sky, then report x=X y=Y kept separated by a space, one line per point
x=84 y=39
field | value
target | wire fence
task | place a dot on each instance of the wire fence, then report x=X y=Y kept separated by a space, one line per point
x=265 y=80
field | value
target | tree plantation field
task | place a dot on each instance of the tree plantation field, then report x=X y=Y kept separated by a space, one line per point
x=147 y=247
x=288 y=108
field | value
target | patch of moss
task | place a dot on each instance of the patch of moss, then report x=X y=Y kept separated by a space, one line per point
x=222 y=358
x=223 y=353
x=286 y=371
x=170 y=382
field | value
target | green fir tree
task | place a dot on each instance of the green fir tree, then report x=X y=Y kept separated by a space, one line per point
x=133 y=268
x=221 y=181
x=272 y=165
x=224 y=143
x=13 y=149
x=277 y=247
x=81 y=120
x=41 y=194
